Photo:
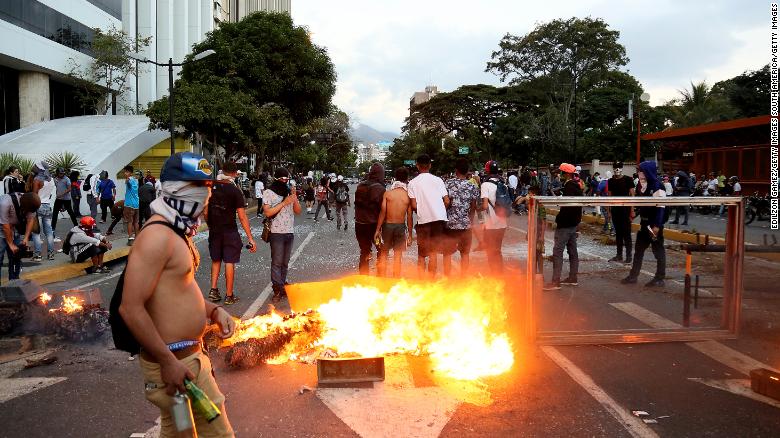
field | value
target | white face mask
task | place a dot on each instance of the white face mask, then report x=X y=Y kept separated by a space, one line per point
x=181 y=203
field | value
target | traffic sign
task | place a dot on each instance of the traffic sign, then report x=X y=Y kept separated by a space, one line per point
x=463 y=150
x=409 y=162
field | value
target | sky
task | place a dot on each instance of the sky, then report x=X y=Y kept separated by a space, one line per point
x=385 y=50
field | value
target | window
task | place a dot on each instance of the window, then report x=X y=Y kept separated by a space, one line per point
x=42 y=20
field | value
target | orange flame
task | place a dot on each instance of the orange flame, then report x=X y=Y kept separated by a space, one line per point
x=44 y=298
x=460 y=326
x=69 y=305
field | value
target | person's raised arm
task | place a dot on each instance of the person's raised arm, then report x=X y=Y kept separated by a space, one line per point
x=269 y=211
x=296 y=204
x=145 y=265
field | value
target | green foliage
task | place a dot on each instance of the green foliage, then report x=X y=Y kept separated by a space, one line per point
x=265 y=83
x=748 y=93
x=65 y=159
x=562 y=60
x=8 y=159
x=701 y=105
x=109 y=70
x=415 y=143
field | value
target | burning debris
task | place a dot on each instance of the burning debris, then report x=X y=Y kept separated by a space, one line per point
x=460 y=326
x=267 y=337
x=74 y=315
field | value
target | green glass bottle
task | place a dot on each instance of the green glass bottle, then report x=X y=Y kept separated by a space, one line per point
x=201 y=403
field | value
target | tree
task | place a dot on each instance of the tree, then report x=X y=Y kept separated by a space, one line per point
x=748 y=93
x=265 y=83
x=107 y=75
x=701 y=105
x=562 y=58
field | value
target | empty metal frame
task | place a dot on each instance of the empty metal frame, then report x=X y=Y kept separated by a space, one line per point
x=732 y=287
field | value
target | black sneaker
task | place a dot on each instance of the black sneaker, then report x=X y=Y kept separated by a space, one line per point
x=553 y=285
x=105 y=269
x=655 y=282
x=569 y=282
x=231 y=299
x=628 y=280
x=214 y=295
x=616 y=259
x=345 y=227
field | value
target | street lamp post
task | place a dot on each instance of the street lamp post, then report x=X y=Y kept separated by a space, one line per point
x=643 y=98
x=170 y=65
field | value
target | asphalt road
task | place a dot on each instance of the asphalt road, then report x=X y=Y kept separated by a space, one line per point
x=562 y=391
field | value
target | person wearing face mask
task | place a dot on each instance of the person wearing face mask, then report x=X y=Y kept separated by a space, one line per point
x=621 y=185
x=162 y=304
x=651 y=227
x=280 y=205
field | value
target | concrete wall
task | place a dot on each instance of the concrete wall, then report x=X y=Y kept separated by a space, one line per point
x=34 y=98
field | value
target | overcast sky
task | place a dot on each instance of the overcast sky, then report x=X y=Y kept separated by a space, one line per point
x=385 y=50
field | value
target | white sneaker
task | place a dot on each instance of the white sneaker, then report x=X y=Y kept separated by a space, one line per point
x=57 y=239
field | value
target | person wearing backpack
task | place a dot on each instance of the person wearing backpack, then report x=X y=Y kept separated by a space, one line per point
x=497 y=204
x=89 y=190
x=369 y=196
x=158 y=307
x=341 y=190
x=651 y=226
x=566 y=223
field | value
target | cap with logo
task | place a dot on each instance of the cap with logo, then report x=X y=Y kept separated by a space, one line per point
x=567 y=168
x=186 y=166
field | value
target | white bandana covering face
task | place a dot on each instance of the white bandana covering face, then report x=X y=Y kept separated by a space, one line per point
x=181 y=204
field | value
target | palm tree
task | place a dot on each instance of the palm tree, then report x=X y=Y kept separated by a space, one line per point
x=701 y=105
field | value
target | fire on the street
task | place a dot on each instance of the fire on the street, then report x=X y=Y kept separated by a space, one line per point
x=69 y=305
x=460 y=325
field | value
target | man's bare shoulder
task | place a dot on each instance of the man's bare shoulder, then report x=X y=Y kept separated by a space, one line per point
x=154 y=241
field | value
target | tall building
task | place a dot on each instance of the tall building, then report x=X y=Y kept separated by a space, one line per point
x=174 y=25
x=420 y=97
x=241 y=8
x=37 y=40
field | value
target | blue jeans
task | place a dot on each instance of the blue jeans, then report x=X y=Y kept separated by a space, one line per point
x=45 y=213
x=565 y=238
x=14 y=264
x=281 y=249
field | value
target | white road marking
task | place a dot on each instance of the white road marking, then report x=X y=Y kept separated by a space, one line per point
x=394 y=407
x=99 y=280
x=633 y=425
x=714 y=349
x=739 y=387
x=263 y=296
x=10 y=388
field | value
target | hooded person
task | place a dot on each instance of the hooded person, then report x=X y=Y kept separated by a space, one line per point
x=162 y=305
x=280 y=206
x=651 y=226
x=86 y=243
x=368 y=203
x=566 y=223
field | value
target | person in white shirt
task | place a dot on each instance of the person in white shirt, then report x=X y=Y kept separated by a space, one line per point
x=90 y=193
x=667 y=186
x=495 y=224
x=429 y=198
x=259 y=187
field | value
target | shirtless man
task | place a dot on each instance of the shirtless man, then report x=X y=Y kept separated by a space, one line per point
x=395 y=223
x=162 y=304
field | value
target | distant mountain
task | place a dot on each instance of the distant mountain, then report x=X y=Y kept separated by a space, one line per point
x=366 y=134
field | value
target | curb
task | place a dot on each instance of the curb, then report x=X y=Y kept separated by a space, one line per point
x=72 y=270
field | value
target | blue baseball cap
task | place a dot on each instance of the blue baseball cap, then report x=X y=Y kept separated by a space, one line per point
x=186 y=166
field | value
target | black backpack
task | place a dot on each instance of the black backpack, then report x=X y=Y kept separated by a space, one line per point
x=342 y=196
x=86 y=186
x=503 y=206
x=66 y=245
x=123 y=337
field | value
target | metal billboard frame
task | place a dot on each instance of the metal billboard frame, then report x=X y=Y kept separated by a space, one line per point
x=732 y=279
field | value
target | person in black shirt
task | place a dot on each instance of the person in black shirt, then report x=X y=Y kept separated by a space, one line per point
x=224 y=241
x=621 y=185
x=567 y=221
